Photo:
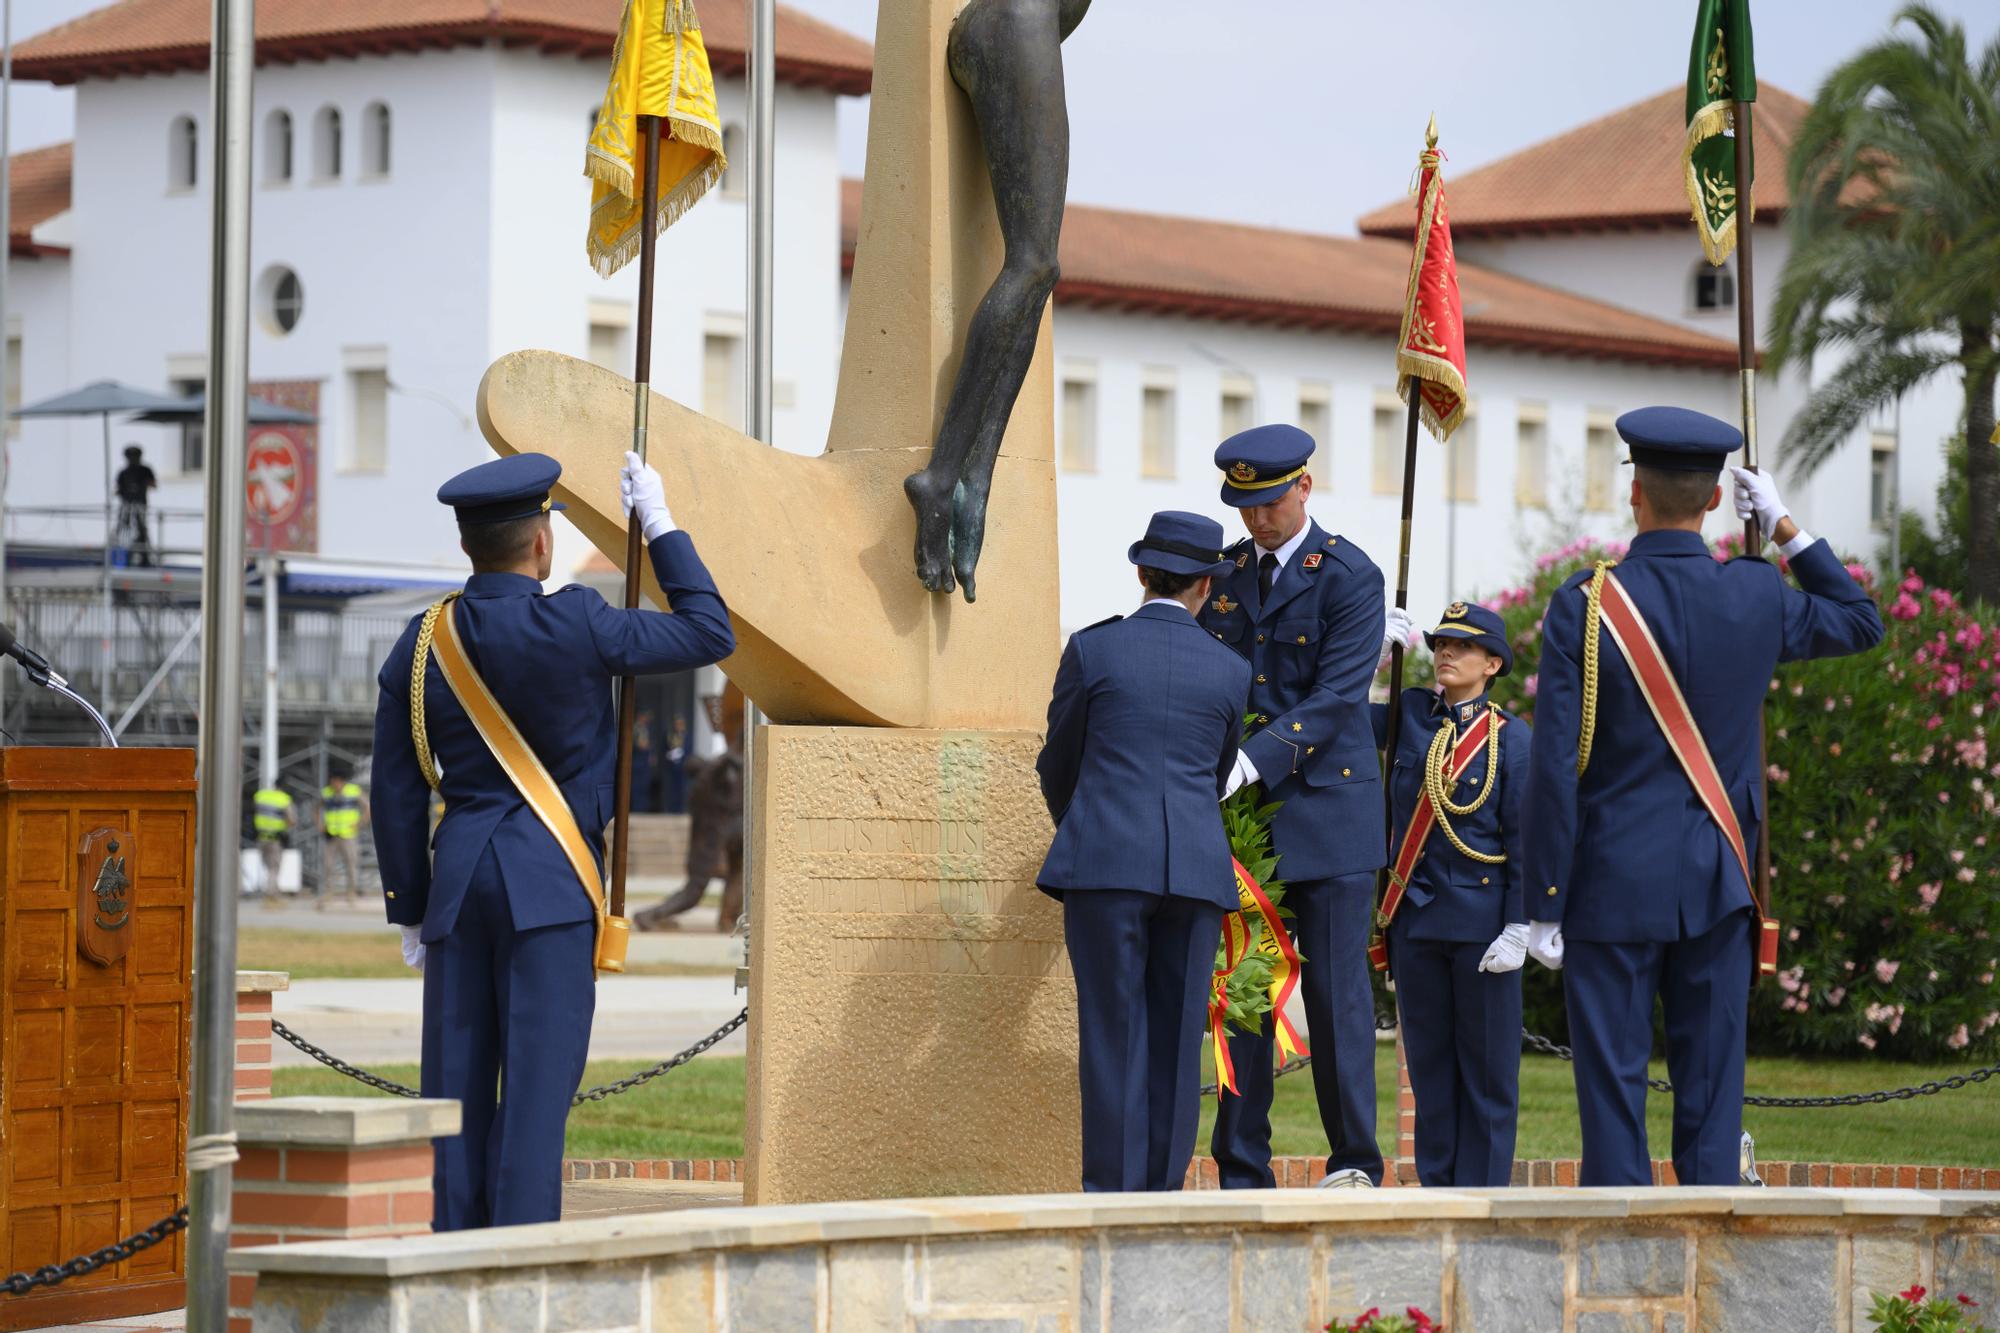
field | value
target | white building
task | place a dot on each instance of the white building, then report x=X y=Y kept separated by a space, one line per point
x=419 y=210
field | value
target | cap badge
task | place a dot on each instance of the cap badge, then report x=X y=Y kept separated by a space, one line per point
x=1224 y=605
x=1243 y=472
x=1312 y=561
x=1456 y=611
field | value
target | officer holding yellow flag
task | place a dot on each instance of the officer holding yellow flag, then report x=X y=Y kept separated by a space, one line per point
x=501 y=699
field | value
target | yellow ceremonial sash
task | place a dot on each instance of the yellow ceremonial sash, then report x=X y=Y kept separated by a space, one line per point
x=524 y=769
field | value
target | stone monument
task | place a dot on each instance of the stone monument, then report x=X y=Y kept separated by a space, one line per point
x=912 y=1018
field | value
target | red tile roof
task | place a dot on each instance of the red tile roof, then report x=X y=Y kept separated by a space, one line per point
x=162 y=36
x=1227 y=271
x=1621 y=171
x=39 y=183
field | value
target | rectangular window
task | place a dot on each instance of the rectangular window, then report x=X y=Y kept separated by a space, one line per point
x=1156 y=427
x=722 y=378
x=1079 y=424
x=368 y=419
x=1389 y=424
x=1881 y=479
x=13 y=385
x=1239 y=405
x=1461 y=462
x=610 y=325
x=1316 y=420
x=1600 y=466
x=1531 y=460
x=192 y=438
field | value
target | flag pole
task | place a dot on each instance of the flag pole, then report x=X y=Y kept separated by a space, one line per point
x=1746 y=370
x=1393 y=733
x=642 y=389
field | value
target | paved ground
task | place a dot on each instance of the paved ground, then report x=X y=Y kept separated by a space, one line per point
x=378 y=1022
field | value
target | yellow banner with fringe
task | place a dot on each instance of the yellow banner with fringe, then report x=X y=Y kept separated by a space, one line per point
x=659 y=68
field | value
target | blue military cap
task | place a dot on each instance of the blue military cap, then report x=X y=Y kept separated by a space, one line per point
x=1260 y=464
x=1471 y=621
x=1181 y=543
x=1678 y=439
x=517 y=486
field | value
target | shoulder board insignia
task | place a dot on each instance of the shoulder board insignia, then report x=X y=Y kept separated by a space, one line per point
x=1312 y=561
x=1332 y=542
x=1243 y=560
x=1224 y=606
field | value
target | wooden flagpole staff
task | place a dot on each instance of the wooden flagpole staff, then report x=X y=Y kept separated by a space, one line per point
x=642 y=374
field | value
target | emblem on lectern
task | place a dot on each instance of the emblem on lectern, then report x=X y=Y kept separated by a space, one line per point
x=104 y=896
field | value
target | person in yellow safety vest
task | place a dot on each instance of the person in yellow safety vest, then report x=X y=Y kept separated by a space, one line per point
x=341 y=810
x=271 y=817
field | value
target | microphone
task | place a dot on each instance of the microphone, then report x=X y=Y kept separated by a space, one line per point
x=31 y=661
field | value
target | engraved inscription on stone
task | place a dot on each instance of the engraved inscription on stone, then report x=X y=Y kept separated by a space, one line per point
x=880 y=955
x=908 y=897
x=924 y=837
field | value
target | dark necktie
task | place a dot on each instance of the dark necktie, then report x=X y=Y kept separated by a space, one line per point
x=1267 y=574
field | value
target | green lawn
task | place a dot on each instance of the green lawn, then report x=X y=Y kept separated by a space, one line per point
x=697 y=1111
x=353 y=953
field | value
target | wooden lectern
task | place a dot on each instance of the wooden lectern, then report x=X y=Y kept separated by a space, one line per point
x=96 y=933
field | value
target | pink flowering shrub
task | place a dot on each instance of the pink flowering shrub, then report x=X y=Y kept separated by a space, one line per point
x=1884 y=788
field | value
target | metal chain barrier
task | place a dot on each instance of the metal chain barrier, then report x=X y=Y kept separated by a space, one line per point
x=1950 y=1083
x=18 y=1284
x=597 y=1094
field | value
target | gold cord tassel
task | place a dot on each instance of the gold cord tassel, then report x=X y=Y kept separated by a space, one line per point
x=420 y=735
x=1593 y=614
x=1437 y=765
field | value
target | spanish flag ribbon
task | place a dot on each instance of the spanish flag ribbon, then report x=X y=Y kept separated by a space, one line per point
x=1274 y=943
x=1430 y=357
x=658 y=68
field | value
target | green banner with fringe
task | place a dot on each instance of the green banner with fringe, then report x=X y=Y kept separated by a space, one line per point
x=1721 y=71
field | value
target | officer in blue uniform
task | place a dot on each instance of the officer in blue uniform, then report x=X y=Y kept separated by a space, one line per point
x=1632 y=887
x=1305 y=608
x=491 y=910
x=1460 y=932
x=1142 y=737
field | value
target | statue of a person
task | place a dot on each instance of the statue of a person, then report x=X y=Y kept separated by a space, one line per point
x=1007 y=56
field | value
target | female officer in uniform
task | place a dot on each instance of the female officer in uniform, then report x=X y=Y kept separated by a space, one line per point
x=1458 y=929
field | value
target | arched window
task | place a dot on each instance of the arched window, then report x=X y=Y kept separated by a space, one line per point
x=326 y=144
x=1711 y=288
x=375 y=140
x=182 y=154
x=278 y=148
x=735 y=178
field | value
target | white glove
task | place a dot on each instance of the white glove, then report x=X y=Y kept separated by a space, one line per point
x=413 y=946
x=1509 y=951
x=1757 y=493
x=1545 y=944
x=1398 y=632
x=1242 y=775
x=643 y=494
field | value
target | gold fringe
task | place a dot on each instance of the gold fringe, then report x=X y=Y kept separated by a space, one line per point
x=673 y=206
x=1717 y=245
x=680 y=17
x=1412 y=367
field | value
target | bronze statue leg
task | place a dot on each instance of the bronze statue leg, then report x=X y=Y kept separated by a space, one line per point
x=1007 y=56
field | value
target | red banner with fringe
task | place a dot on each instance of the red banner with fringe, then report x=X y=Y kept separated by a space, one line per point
x=1430 y=358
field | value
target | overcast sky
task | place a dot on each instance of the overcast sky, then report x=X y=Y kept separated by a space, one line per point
x=1307 y=113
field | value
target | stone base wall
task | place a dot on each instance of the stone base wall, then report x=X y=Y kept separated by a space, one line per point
x=1306 y=1172
x=1505 y=1261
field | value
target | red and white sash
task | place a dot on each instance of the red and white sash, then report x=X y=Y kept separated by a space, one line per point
x=1422 y=820
x=1628 y=629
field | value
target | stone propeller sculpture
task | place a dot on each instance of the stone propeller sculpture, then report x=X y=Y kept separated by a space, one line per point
x=811 y=552
x=1007 y=56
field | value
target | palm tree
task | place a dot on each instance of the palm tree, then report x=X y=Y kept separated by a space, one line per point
x=1895 y=223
